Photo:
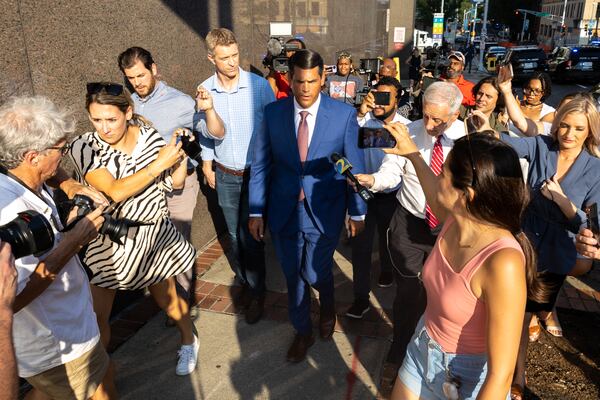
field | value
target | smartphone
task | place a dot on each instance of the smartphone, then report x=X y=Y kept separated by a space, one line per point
x=592 y=219
x=505 y=73
x=381 y=98
x=375 y=138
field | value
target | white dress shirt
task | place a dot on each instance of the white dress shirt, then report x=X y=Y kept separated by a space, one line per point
x=397 y=168
x=311 y=118
x=59 y=325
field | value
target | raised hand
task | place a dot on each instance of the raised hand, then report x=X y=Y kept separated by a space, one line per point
x=204 y=101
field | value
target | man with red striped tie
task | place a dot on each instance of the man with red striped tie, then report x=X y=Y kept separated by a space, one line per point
x=413 y=228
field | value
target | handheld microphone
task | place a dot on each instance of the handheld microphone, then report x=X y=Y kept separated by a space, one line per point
x=343 y=167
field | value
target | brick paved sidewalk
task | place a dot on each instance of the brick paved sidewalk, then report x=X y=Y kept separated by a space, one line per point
x=226 y=299
x=577 y=293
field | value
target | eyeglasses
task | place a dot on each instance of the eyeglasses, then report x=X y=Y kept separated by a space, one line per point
x=532 y=91
x=114 y=89
x=64 y=149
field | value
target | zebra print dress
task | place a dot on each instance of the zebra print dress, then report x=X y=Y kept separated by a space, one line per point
x=151 y=253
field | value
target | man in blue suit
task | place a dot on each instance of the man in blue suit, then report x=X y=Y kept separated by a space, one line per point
x=295 y=185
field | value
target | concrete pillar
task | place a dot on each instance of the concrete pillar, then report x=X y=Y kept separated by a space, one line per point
x=402 y=14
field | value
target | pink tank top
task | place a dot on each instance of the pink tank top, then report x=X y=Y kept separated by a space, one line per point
x=454 y=317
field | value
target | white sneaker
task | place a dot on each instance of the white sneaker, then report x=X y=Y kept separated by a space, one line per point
x=187 y=358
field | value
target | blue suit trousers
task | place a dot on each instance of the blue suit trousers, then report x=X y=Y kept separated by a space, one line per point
x=306 y=257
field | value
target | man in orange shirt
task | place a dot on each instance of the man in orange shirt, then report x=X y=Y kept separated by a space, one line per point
x=454 y=74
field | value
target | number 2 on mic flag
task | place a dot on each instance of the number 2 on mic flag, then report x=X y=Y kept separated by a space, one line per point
x=342 y=165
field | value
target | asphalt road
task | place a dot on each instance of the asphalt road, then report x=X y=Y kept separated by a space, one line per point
x=559 y=91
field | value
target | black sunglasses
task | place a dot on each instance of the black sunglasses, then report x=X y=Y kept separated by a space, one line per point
x=114 y=89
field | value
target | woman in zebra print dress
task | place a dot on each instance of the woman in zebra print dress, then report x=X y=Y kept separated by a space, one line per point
x=127 y=160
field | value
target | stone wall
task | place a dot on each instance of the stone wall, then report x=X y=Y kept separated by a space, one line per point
x=53 y=48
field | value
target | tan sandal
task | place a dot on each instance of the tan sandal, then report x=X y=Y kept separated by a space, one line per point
x=534 y=333
x=555 y=329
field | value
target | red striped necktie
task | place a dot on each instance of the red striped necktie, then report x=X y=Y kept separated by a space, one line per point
x=437 y=160
x=302 y=143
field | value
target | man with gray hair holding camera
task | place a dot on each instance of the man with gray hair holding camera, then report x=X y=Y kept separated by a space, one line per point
x=413 y=228
x=56 y=337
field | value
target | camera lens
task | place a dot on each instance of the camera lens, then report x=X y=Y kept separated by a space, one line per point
x=29 y=233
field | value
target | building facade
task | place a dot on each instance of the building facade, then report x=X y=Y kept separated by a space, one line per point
x=580 y=22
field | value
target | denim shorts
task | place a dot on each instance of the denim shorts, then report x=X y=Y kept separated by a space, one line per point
x=427 y=367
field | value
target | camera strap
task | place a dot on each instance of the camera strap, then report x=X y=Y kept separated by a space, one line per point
x=6 y=172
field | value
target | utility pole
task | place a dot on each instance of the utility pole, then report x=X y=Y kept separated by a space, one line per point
x=562 y=24
x=483 y=37
x=474 y=22
x=597 y=17
x=523 y=28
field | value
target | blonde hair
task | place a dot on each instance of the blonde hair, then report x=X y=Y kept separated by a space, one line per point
x=585 y=106
x=219 y=37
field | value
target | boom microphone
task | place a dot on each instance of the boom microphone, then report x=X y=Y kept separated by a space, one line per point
x=343 y=167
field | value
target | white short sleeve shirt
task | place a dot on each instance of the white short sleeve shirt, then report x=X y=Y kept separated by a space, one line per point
x=59 y=325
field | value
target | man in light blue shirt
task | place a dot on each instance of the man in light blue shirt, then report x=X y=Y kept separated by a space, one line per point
x=240 y=98
x=168 y=109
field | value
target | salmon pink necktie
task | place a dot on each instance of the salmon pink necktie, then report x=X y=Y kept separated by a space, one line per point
x=302 y=144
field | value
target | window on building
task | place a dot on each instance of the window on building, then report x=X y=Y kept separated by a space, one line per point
x=301 y=9
x=314 y=8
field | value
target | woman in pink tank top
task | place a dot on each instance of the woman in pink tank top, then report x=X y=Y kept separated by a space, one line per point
x=477 y=277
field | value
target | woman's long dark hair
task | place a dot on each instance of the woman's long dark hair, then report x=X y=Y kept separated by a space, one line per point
x=491 y=168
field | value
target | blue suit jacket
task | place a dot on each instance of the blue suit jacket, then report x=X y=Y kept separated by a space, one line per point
x=276 y=174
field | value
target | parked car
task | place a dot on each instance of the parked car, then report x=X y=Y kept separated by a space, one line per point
x=497 y=51
x=578 y=64
x=526 y=60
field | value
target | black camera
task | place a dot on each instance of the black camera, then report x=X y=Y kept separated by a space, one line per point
x=191 y=148
x=114 y=228
x=276 y=58
x=29 y=233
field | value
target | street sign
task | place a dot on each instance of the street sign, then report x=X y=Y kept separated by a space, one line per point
x=438 y=28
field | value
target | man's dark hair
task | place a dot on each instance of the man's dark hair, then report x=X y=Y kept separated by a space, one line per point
x=129 y=57
x=306 y=59
x=389 y=81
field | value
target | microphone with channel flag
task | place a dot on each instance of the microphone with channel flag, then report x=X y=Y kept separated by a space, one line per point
x=343 y=167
